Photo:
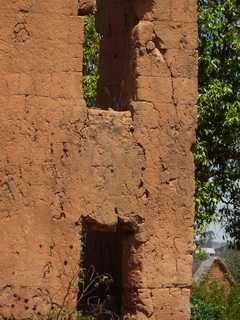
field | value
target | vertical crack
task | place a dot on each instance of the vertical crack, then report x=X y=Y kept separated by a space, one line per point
x=162 y=50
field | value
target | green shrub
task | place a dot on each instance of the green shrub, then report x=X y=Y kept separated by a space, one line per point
x=208 y=302
x=203 y=311
x=232 y=259
x=233 y=305
x=199 y=255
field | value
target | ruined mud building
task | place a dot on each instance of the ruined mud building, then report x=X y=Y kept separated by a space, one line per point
x=123 y=172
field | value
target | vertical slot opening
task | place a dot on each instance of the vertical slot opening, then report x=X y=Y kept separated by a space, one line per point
x=100 y=286
x=108 y=71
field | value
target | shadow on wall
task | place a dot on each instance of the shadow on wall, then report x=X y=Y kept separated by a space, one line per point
x=112 y=76
x=106 y=265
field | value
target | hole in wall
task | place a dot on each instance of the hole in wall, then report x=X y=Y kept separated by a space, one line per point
x=91 y=50
x=116 y=70
x=108 y=71
x=103 y=271
x=101 y=267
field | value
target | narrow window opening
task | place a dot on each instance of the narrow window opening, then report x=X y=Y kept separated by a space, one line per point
x=108 y=71
x=91 y=50
x=100 y=287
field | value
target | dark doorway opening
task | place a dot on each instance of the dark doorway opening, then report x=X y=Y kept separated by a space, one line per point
x=101 y=274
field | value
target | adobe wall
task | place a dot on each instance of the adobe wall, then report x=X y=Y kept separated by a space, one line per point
x=62 y=164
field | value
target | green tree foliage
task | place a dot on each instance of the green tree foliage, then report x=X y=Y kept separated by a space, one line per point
x=90 y=60
x=233 y=305
x=217 y=152
x=232 y=260
x=209 y=303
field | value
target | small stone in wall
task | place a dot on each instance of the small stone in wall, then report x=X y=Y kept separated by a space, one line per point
x=86 y=7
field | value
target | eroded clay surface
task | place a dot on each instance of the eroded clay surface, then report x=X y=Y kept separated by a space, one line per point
x=62 y=164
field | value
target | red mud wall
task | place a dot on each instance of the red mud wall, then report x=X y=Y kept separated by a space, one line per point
x=61 y=164
x=40 y=99
x=164 y=118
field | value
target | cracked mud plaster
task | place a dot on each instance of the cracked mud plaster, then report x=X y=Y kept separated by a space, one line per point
x=21 y=33
x=63 y=165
